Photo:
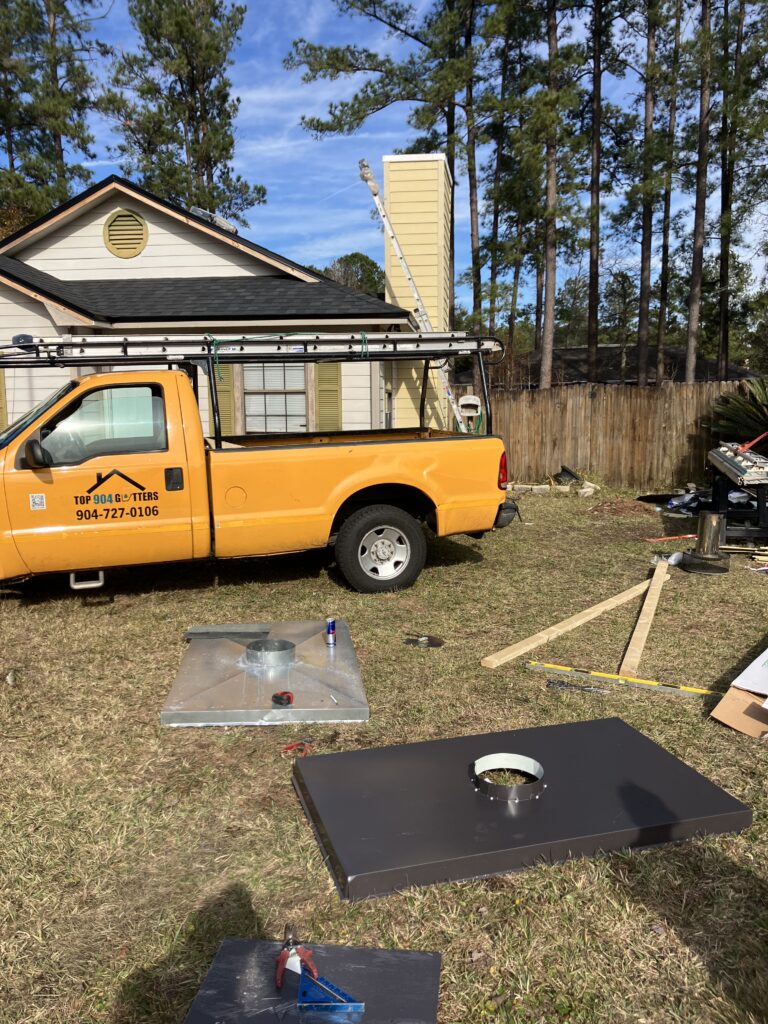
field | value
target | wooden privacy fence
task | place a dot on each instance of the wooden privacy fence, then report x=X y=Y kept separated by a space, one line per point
x=652 y=437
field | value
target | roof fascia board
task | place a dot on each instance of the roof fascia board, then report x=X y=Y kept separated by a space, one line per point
x=259 y=325
x=46 y=301
x=69 y=212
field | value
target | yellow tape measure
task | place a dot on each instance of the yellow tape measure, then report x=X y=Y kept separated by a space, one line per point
x=568 y=670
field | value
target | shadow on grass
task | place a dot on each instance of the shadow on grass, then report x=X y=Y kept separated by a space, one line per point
x=724 y=681
x=162 y=992
x=717 y=907
x=446 y=551
x=180 y=576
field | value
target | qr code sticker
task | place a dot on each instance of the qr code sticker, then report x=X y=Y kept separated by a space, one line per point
x=37 y=502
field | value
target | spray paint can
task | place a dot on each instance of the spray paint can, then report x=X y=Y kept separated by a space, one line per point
x=330 y=632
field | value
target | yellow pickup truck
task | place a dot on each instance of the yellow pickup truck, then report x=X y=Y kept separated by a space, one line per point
x=114 y=470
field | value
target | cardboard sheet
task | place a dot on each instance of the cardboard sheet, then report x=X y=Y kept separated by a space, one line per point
x=744 y=712
x=755 y=676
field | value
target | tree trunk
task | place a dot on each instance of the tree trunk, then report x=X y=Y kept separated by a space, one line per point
x=550 y=223
x=516 y=272
x=700 y=210
x=9 y=153
x=55 y=87
x=495 y=198
x=539 y=306
x=474 y=216
x=450 y=154
x=647 y=200
x=594 y=190
x=666 y=220
x=731 y=92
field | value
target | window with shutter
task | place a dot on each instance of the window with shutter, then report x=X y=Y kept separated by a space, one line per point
x=225 y=389
x=275 y=398
x=328 y=376
x=125 y=234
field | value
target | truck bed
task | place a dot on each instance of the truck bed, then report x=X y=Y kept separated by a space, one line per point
x=333 y=437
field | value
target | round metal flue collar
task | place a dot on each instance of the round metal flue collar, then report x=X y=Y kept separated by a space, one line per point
x=270 y=653
x=513 y=794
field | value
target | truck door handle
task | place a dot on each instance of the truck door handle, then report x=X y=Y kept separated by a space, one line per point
x=174 y=479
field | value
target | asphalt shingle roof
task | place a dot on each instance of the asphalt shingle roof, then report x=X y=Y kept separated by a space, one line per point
x=168 y=299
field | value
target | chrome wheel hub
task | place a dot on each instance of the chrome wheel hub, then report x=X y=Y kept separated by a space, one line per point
x=384 y=552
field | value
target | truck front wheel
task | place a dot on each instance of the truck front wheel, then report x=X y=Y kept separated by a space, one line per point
x=380 y=548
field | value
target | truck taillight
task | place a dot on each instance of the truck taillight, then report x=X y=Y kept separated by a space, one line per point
x=503 y=479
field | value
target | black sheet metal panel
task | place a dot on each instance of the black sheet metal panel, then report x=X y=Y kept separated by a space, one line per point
x=397 y=986
x=392 y=817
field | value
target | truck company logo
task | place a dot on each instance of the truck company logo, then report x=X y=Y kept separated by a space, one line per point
x=102 y=479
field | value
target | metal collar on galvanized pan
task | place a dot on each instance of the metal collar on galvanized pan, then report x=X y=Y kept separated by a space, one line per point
x=270 y=653
x=512 y=763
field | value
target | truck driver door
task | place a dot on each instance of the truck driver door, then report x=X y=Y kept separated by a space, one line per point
x=115 y=489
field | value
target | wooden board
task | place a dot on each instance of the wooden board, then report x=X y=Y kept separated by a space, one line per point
x=634 y=652
x=523 y=646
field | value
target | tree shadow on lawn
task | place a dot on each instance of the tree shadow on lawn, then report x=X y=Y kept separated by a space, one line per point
x=717 y=907
x=163 y=992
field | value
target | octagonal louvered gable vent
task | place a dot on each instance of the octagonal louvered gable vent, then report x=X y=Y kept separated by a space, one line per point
x=125 y=234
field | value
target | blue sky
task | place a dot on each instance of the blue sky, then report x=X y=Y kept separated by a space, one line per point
x=317 y=208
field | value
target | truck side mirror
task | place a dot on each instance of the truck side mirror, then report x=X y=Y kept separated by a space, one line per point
x=35 y=455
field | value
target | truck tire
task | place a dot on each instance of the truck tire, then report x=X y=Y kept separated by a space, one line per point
x=380 y=548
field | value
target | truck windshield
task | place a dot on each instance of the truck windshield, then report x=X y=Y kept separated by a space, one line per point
x=12 y=431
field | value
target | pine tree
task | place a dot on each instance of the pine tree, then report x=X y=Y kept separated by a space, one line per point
x=46 y=95
x=174 y=108
x=702 y=162
x=437 y=77
x=649 y=188
x=669 y=84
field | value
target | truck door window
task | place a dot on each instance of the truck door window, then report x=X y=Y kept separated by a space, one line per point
x=108 y=421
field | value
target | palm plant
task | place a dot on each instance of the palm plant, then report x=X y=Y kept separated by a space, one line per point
x=743 y=415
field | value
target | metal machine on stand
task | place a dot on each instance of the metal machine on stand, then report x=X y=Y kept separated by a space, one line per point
x=736 y=464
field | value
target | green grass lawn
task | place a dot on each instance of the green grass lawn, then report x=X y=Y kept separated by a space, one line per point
x=129 y=851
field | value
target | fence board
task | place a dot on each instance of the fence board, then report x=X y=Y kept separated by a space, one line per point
x=625 y=436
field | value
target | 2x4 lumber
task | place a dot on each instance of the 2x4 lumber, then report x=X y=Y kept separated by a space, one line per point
x=543 y=637
x=634 y=652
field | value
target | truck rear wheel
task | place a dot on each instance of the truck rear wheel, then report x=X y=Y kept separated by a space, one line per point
x=380 y=548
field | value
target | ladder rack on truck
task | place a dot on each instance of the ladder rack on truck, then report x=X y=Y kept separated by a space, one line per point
x=207 y=352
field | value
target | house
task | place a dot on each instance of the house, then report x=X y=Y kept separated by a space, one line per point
x=117 y=260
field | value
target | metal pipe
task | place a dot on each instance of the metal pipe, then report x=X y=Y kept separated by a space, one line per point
x=213 y=397
x=486 y=394
x=423 y=399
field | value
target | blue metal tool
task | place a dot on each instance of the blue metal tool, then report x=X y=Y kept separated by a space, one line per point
x=319 y=995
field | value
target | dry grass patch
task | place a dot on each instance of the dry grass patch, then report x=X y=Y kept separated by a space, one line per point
x=129 y=850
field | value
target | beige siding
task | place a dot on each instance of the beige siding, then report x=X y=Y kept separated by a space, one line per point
x=24 y=388
x=76 y=251
x=21 y=315
x=356 y=396
x=417 y=196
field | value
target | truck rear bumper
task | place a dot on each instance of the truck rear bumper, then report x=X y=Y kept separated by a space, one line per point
x=506 y=514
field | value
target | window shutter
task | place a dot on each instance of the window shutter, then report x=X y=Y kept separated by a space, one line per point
x=224 y=379
x=3 y=403
x=328 y=377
